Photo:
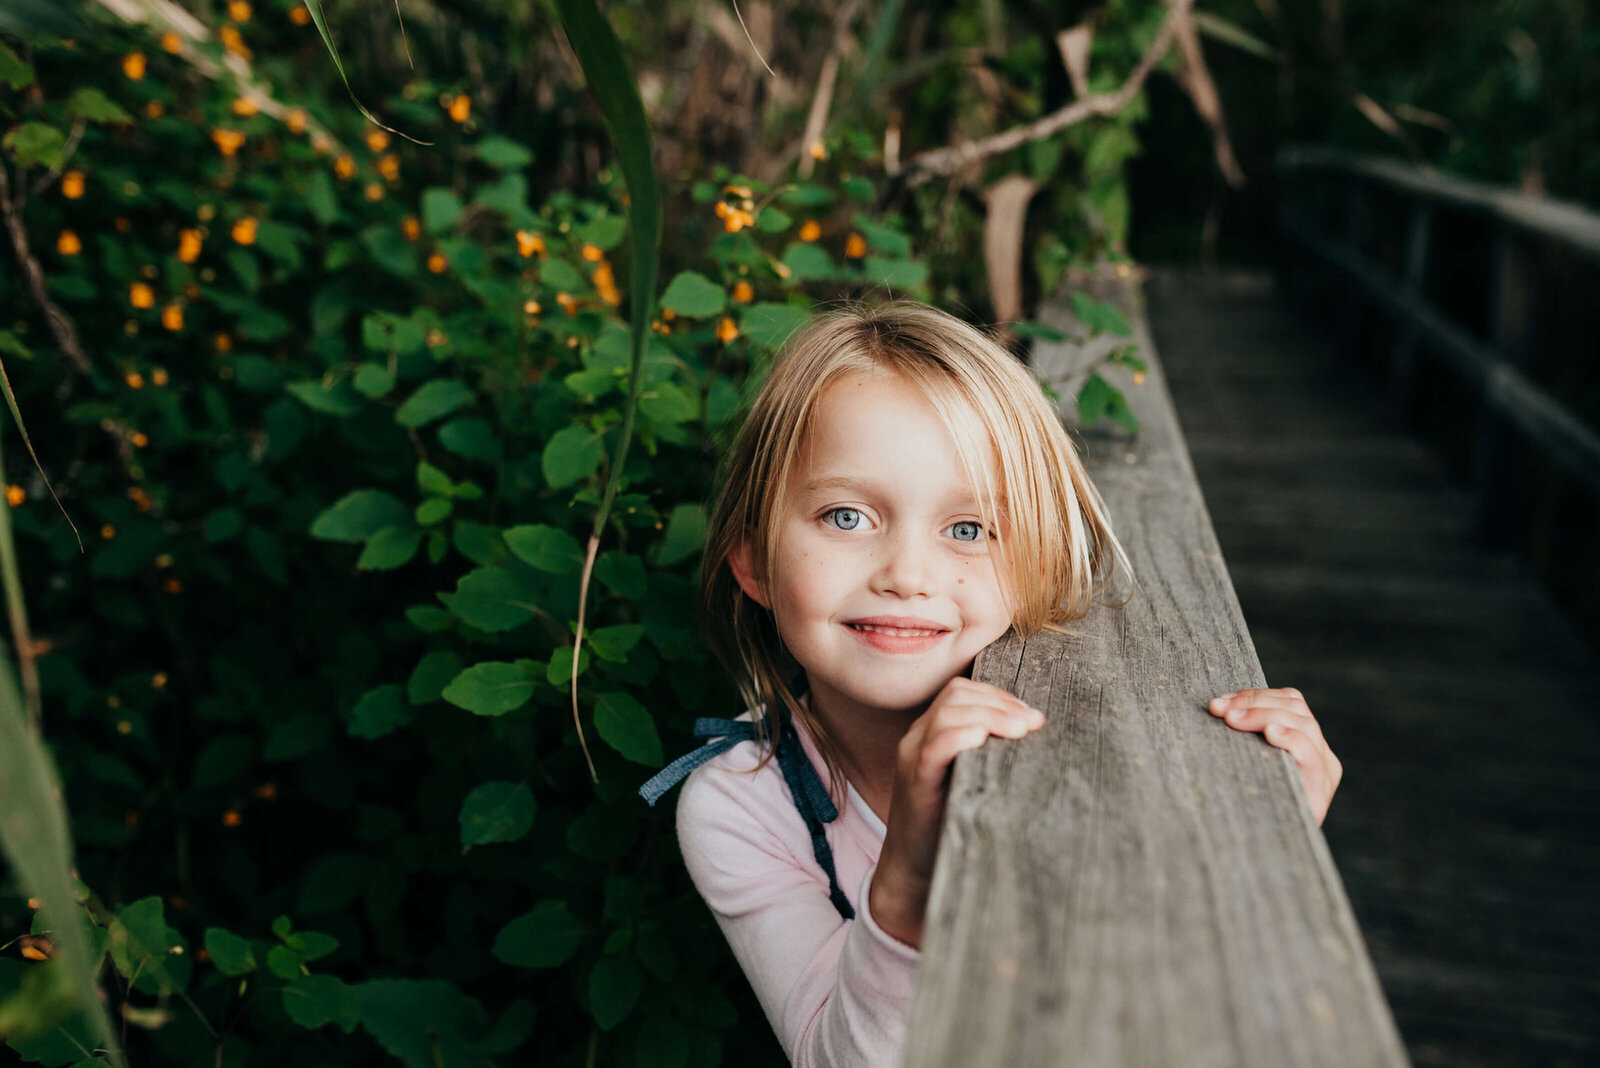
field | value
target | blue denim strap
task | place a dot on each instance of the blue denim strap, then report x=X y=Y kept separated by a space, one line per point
x=810 y=796
x=729 y=732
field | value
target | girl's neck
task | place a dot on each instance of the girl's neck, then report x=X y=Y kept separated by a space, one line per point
x=867 y=741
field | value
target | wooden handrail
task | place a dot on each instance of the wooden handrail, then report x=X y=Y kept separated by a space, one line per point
x=1571 y=224
x=1138 y=884
x=1517 y=406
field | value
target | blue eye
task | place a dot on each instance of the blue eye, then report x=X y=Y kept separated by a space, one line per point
x=845 y=518
x=967 y=530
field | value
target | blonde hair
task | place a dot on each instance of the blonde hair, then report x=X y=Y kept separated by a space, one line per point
x=1056 y=548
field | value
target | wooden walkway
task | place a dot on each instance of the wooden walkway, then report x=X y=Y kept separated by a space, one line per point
x=1465 y=710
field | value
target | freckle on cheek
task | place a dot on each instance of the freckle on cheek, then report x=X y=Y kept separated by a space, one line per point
x=961 y=582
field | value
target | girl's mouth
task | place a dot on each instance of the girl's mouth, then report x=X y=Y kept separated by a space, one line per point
x=897 y=635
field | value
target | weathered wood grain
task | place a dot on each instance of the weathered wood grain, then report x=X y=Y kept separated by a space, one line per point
x=1137 y=884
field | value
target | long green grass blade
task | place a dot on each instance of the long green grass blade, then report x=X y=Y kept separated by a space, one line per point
x=612 y=83
x=22 y=428
x=315 y=7
x=36 y=843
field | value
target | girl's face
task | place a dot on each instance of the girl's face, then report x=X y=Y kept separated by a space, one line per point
x=882 y=582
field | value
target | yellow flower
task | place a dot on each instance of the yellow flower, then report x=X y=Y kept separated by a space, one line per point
x=377 y=140
x=228 y=141
x=172 y=42
x=300 y=15
x=68 y=244
x=238 y=10
x=411 y=227
x=593 y=253
x=140 y=498
x=667 y=315
x=855 y=247
x=782 y=269
x=244 y=231
x=1138 y=378
x=810 y=230
x=108 y=532
x=155 y=109
x=743 y=292
x=530 y=244
x=437 y=263
x=736 y=220
x=15 y=496
x=133 y=65
x=344 y=166
x=173 y=585
x=605 y=284
x=741 y=191
x=139 y=440
x=158 y=377
x=172 y=317
x=460 y=107
x=188 y=245
x=243 y=105
x=233 y=41
x=134 y=379
x=72 y=185
x=122 y=224
x=373 y=191
x=231 y=818
x=223 y=342
x=817 y=151
x=727 y=330
x=531 y=307
x=568 y=302
x=321 y=143
x=296 y=120
x=389 y=167
x=141 y=295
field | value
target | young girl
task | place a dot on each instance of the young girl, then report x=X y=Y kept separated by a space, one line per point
x=901 y=494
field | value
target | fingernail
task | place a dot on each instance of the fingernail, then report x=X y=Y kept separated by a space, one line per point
x=1236 y=714
x=1035 y=716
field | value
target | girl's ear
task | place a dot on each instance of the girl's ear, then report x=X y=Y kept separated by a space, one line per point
x=744 y=574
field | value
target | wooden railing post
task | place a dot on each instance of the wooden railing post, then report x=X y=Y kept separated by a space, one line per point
x=1419 y=236
x=1498 y=449
x=1136 y=884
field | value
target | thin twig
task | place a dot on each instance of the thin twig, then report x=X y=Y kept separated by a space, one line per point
x=61 y=325
x=938 y=161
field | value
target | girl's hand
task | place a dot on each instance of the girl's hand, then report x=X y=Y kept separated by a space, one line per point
x=1283 y=717
x=961 y=717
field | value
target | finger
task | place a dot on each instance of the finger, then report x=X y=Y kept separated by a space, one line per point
x=1319 y=768
x=943 y=747
x=1228 y=703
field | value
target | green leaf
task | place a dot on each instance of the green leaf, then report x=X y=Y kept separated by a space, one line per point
x=390 y=548
x=373 y=380
x=612 y=643
x=358 y=516
x=433 y=511
x=503 y=153
x=572 y=453
x=339 y=399
x=470 y=437
x=807 y=195
x=433 y=400
x=331 y=883
x=13 y=71
x=773 y=220
x=231 y=954
x=296 y=737
x=440 y=210
x=1024 y=328
x=558 y=672
x=314 y=1001
x=614 y=987
x=37 y=142
x=770 y=325
x=431 y=675
x=686 y=534
x=1099 y=316
x=492 y=688
x=94 y=106
x=545 y=548
x=896 y=274
x=478 y=542
x=142 y=948
x=492 y=599
x=223 y=524
x=432 y=480
x=807 y=263
x=423 y=1023
x=542 y=938
x=559 y=274
x=1093 y=398
x=663 y=1043
x=605 y=232
x=282 y=962
x=623 y=575
x=694 y=295
x=496 y=812
x=628 y=728
x=428 y=618
x=380 y=710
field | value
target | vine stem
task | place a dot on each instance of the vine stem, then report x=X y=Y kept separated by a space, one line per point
x=577 y=647
x=17 y=611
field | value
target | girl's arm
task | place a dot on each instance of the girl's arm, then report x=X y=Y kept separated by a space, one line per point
x=962 y=717
x=837 y=993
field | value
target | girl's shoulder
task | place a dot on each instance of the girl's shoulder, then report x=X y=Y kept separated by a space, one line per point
x=738 y=792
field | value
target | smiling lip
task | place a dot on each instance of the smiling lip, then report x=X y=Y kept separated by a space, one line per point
x=897 y=634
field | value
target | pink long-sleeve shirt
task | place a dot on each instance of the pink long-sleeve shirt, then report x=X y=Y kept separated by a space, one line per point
x=837 y=992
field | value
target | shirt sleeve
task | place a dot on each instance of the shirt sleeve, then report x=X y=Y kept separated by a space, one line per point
x=837 y=992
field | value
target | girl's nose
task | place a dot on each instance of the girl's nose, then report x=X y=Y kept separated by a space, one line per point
x=905 y=569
